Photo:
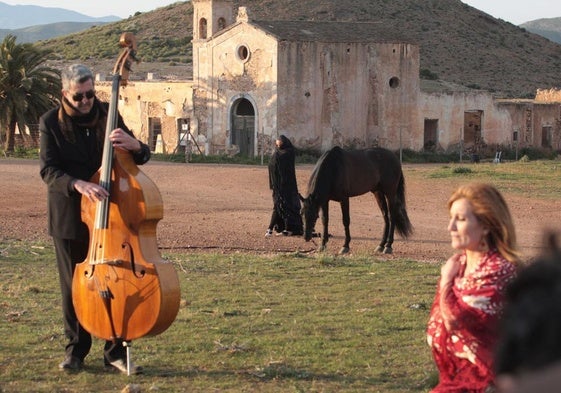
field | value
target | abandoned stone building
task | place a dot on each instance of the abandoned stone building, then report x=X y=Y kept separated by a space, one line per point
x=321 y=84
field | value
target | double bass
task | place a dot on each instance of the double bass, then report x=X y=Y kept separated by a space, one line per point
x=124 y=289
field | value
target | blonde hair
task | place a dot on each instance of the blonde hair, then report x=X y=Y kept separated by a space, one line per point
x=490 y=208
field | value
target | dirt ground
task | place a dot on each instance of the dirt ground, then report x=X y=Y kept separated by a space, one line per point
x=226 y=208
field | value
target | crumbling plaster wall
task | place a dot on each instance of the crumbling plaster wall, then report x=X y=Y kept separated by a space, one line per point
x=548 y=95
x=449 y=109
x=139 y=101
x=340 y=93
x=528 y=118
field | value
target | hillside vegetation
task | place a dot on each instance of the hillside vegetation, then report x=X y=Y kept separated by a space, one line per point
x=163 y=35
x=458 y=43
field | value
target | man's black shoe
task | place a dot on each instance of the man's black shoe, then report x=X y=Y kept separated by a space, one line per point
x=71 y=363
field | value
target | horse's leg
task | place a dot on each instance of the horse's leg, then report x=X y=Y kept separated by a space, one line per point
x=383 y=205
x=325 y=222
x=392 y=205
x=346 y=224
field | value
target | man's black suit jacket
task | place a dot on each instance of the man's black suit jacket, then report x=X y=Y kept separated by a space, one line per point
x=63 y=162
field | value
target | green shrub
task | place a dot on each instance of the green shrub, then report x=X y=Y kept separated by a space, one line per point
x=428 y=75
x=420 y=157
x=461 y=170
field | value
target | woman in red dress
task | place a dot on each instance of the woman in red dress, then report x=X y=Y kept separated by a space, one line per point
x=462 y=328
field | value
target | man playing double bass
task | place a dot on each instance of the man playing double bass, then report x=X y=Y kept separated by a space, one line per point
x=72 y=137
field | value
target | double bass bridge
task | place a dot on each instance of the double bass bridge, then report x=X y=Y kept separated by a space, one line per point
x=110 y=262
x=127 y=260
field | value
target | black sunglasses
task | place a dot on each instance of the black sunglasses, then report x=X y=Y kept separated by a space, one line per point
x=77 y=97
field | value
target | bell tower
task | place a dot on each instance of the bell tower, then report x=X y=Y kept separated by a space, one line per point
x=211 y=16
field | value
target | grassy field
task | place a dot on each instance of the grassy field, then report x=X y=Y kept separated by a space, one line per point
x=284 y=323
x=254 y=323
x=541 y=179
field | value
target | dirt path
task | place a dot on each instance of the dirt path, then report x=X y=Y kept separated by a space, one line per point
x=226 y=208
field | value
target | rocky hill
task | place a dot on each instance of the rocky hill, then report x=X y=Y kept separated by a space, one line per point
x=50 y=30
x=549 y=28
x=458 y=43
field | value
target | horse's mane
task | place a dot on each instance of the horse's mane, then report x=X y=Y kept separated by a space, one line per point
x=324 y=172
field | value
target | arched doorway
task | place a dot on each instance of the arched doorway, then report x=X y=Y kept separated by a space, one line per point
x=243 y=127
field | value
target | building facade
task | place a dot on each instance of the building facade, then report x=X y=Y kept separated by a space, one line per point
x=321 y=84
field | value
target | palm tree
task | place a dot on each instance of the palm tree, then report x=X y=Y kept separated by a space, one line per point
x=28 y=87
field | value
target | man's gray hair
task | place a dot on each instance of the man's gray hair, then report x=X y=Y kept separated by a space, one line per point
x=75 y=74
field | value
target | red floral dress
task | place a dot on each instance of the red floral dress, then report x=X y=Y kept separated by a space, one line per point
x=464 y=355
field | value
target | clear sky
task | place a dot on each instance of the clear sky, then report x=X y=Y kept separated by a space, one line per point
x=513 y=11
x=518 y=11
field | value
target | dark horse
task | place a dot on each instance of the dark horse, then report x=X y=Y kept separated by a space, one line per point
x=340 y=174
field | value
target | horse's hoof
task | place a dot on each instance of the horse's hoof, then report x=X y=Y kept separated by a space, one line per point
x=344 y=250
x=379 y=249
x=321 y=248
x=388 y=250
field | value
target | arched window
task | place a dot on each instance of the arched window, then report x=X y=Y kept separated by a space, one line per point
x=221 y=24
x=202 y=28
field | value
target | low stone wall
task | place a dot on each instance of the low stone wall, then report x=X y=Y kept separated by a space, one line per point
x=548 y=95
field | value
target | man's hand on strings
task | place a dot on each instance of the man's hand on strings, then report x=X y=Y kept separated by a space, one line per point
x=122 y=140
x=94 y=192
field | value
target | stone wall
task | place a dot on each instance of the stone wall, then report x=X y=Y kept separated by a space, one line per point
x=166 y=101
x=548 y=95
x=347 y=94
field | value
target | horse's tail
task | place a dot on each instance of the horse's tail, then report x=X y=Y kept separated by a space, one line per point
x=402 y=223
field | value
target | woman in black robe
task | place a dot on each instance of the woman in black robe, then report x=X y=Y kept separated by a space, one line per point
x=286 y=219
